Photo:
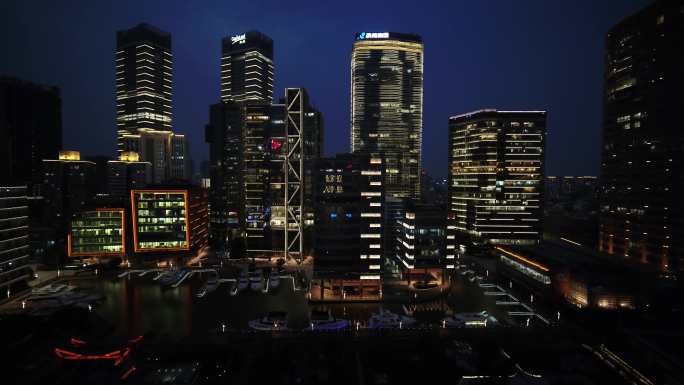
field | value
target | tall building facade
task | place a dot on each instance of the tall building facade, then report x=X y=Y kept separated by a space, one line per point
x=641 y=184
x=247 y=149
x=247 y=67
x=144 y=76
x=387 y=106
x=30 y=128
x=496 y=175
x=224 y=135
x=348 y=241
x=14 y=239
x=144 y=93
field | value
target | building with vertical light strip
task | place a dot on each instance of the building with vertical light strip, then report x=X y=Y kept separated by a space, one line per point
x=348 y=241
x=144 y=68
x=496 y=170
x=247 y=67
x=387 y=106
x=641 y=216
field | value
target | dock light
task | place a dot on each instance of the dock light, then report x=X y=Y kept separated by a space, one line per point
x=558 y=316
x=8 y=292
x=443 y=324
x=528 y=322
x=312 y=326
x=223 y=328
x=400 y=324
x=59 y=272
x=23 y=304
x=531 y=298
x=487 y=273
x=90 y=307
x=357 y=325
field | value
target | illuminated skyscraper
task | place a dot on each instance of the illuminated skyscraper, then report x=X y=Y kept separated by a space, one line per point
x=642 y=182
x=496 y=169
x=247 y=67
x=387 y=106
x=144 y=68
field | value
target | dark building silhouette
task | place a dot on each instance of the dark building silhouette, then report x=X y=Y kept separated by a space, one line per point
x=387 y=106
x=247 y=67
x=14 y=239
x=641 y=184
x=30 y=128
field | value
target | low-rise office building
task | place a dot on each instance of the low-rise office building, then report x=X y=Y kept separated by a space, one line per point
x=98 y=233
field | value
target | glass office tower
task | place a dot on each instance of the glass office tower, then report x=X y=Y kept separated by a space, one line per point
x=144 y=68
x=247 y=67
x=387 y=106
x=496 y=171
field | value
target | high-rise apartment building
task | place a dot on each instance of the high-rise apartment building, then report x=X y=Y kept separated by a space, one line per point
x=496 y=174
x=642 y=181
x=30 y=129
x=247 y=67
x=387 y=106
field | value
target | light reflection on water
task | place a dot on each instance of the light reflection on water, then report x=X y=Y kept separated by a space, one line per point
x=139 y=305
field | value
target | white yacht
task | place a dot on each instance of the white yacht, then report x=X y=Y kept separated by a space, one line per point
x=324 y=321
x=388 y=320
x=273 y=321
x=468 y=320
x=256 y=280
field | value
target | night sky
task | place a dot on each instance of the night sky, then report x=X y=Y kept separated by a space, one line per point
x=524 y=54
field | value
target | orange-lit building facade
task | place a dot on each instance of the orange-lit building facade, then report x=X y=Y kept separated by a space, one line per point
x=160 y=220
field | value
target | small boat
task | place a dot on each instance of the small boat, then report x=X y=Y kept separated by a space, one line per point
x=274 y=278
x=211 y=285
x=388 y=320
x=256 y=280
x=171 y=277
x=324 y=321
x=273 y=321
x=243 y=281
x=468 y=320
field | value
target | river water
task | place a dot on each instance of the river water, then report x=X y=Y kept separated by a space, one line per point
x=140 y=305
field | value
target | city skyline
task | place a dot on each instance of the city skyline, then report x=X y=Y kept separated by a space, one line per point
x=525 y=83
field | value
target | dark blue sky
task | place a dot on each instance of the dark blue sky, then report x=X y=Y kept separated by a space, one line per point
x=507 y=54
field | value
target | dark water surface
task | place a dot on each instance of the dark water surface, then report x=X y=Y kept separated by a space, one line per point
x=140 y=305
